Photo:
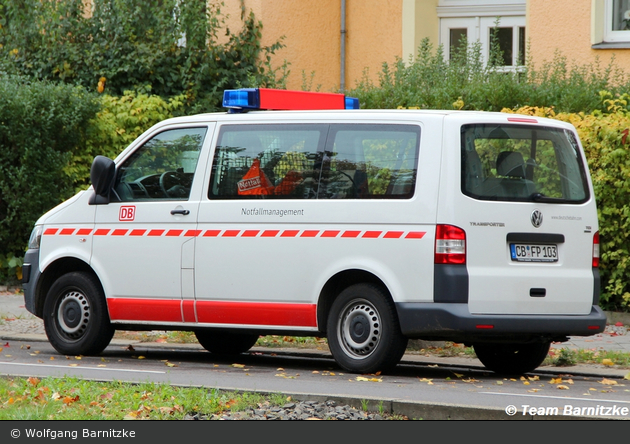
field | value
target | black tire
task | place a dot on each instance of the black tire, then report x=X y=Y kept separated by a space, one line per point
x=75 y=315
x=226 y=343
x=363 y=330
x=512 y=359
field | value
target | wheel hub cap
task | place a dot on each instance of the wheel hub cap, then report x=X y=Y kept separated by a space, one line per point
x=360 y=329
x=73 y=314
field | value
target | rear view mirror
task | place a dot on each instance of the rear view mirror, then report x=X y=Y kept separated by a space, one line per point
x=102 y=175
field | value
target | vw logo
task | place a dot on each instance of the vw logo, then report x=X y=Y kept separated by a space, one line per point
x=536 y=218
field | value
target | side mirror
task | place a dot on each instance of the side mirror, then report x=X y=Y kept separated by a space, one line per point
x=102 y=175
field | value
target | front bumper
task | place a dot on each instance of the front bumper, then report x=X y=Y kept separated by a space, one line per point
x=30 y=278
x=454 y=322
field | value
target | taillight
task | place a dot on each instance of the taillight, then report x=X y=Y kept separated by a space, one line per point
x=450 y=245
x=596 y=249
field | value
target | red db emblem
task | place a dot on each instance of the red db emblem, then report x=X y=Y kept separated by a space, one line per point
x=127 y=213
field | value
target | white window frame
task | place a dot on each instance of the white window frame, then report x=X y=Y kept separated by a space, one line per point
x=611 y=35
x=479 y=18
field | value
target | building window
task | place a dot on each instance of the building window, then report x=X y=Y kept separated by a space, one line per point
x=617 y=21
x=476 y=20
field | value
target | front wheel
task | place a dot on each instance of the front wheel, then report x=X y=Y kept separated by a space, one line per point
x=226 y=343
x=512 y=359
x=75 y=315
x=363 y=330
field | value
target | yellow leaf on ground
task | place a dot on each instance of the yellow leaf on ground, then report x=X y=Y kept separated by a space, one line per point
x=606 y=381
x=428 y=381
x=607 y=362
x=627 y=376
x=563 y=387
x=238 y=365
x=555 y=381
x=170 y=364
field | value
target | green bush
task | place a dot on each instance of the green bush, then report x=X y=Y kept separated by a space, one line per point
x=606 y=141
x=167 y=48
x=466 y=82
x=41 y=125
x=119 y=122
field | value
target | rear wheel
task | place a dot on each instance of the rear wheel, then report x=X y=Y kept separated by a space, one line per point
x=226 y=343
x=512 y=359
x=75 y=315
x=363 y=330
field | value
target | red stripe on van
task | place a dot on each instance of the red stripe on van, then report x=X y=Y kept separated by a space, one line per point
x=174 y=233
x=84 y=231
x=415 y=235
x=66 y=231
x=351 y=234
x=102 y=232
x=393 y=235
x=330 y=233
x=257 y=313
x=289 y=233
x=211 y=233
x=231 y=233
x=250 y=233
x=119 y=232
x=192 y=233
x=156 y=232
x=309 y=233
x=372 y=234
x=50 y=231
x=157 y=310
x=137 y=232
x=270 y=233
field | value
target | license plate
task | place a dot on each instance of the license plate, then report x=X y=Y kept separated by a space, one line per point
x=534 y=252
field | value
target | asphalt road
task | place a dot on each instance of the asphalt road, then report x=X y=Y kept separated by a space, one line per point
x=418 y=388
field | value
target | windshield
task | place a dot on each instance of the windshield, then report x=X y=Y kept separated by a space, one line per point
x=522 y=163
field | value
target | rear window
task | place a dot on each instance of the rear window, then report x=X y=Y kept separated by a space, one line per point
x=522 y=163
x=327 y=161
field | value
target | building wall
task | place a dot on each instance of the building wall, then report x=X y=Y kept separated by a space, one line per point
x=312 y=35
x=566 y=26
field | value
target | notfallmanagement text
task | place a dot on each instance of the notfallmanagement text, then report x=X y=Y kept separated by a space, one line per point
x=271 y=212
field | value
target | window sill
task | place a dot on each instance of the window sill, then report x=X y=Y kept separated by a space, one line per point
x=611 y=45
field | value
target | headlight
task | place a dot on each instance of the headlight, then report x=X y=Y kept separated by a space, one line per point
x=36 y=236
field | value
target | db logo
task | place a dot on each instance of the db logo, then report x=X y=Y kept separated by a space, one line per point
x=127 y=213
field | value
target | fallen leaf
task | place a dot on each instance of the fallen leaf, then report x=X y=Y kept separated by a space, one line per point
x=170 y=364
x=7 y=345
x=459 y=375
x=361 y=378
x=279 y=369
x=101 y=365
x=428 y=381
x=606 y=381
x=471 y=380
x=499 y=383
x=73 y=365
x=77 y=357
x=563 y=387
x=238 y=365
x=316 y=372
x=533 y=378
x=627 y=376
x=533 y=390
x=434 y=365
x=141 y=357
x=607 y=361
x=555 y=381
x=33 y=381
x=161 y=340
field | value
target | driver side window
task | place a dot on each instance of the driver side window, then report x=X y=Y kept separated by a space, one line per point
x=162 y=168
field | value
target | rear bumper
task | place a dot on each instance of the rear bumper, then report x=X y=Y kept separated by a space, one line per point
x=454 y=322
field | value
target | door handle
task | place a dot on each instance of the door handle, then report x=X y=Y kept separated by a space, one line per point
x=182 y=212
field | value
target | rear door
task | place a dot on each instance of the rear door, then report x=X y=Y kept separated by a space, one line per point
x=526 y=204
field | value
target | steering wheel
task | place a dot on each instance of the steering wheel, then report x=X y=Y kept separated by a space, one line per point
x=172 y=184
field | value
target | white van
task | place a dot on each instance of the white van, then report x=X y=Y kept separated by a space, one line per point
x=368 y=227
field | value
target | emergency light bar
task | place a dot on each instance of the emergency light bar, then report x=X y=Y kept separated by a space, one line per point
x=279 y=99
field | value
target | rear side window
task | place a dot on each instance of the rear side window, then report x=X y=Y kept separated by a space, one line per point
x=325 y=161
x=522 y=163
